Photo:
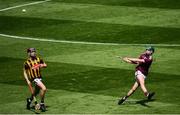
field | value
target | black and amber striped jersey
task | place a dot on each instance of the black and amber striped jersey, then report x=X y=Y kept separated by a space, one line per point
x=28 y=66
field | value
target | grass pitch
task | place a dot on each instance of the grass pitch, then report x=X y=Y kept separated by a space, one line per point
x=85 y=78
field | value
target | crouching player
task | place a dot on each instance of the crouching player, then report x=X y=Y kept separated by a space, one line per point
x=143 y=64
x=33 y=77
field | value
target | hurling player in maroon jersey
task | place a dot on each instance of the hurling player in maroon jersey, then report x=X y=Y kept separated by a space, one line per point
x=143 y=64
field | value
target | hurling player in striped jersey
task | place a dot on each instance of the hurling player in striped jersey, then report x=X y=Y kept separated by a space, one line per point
x=32 y=75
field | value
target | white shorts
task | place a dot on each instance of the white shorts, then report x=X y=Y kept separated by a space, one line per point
x=139 y=74
x=37 y=80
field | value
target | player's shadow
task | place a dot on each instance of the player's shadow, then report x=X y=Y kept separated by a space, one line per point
x=143 y=102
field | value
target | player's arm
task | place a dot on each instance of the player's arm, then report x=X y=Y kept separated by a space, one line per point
x=124 y=59
x=28 y=82
x=137 y=60
x=42 y=64
x=128 y=60
x=30 y=86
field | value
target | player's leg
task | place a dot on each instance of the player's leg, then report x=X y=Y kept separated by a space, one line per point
x=141 y=80
x=37 y=90
x=131 y=91
x=28 y=104
x=29 y=100
x=42 y=94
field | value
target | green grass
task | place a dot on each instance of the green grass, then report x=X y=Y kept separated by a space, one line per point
x=85 y=78
x=96 y=23
x=88 y=31
x=171 y=4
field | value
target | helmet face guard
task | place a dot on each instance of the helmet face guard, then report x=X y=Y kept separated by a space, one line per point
x=30 y=50
x=150 y=49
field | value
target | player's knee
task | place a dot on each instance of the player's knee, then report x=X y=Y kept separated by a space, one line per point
x=44 y=89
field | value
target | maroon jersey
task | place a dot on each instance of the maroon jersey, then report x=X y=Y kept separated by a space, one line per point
x=144 y=67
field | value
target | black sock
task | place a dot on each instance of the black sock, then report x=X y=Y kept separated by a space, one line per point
x=35 y=102
x=125 y=97
x=31 y=98
x=42 y=101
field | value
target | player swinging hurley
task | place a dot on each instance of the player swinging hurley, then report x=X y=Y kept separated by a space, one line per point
x=32 y=76
x=143 y=64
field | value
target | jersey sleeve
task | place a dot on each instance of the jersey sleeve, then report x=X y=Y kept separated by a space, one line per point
x=41 y=61
x=26 y=66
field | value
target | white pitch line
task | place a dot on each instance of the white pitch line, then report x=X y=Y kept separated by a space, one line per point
x=22 y=5
x=86 y=43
